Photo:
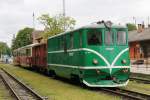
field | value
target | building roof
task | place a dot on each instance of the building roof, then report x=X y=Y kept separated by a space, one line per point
x=136 y=36
x=37 y=33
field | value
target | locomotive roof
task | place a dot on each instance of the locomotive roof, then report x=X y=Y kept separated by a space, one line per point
x=89 y=27
x=103 y=26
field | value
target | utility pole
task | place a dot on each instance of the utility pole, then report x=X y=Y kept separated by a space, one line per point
x=134 y=20
x=64 y=9
x=33 y=20
x=64 y=14
x=148 y=20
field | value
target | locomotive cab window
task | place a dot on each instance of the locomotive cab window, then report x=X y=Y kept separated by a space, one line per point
x=109 y=38
x=94 y=37
x=121 y=38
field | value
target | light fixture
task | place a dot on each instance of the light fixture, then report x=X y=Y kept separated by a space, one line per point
x=95 y=61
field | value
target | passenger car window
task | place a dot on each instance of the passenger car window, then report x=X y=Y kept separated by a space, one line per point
x=28 y=52
x=121 y=38
x=94 y=37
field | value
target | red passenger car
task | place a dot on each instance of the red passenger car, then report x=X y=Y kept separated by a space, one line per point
x=39 y=56
x=34 y=55
x=16 y=58
x=22 y=56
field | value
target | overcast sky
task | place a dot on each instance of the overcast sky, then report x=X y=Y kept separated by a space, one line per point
x=17 y=14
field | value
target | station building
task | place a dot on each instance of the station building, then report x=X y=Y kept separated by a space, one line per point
x=37 y=36
x=139 y=43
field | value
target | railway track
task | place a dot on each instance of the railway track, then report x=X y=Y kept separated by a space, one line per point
x=127 y=94
x=140 y=80
x=19 y=90
x=4 y=93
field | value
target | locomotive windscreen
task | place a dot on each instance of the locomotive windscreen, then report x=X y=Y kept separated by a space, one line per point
x=121 y=38
x=94 y=37
x=109 y=38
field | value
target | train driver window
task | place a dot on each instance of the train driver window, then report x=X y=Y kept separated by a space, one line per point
x=94 y=37
x=121 y=38
x=109 y=38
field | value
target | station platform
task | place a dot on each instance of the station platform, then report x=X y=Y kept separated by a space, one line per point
x=143 y=69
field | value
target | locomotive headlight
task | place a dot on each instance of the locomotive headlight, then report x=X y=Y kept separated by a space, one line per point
x=124 y=61
x=95 y=61
x=98 y=71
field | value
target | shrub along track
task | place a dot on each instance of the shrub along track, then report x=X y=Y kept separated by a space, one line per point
x=19 y=90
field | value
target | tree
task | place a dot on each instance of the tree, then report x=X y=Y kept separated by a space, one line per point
x=131 y=27
x=56 y=24
x=23 y=38
x=4 y=49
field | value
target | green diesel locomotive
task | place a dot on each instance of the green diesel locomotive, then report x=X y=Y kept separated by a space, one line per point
x=97 y=55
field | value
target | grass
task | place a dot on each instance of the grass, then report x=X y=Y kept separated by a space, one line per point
x=4 y=95
x=56 y=89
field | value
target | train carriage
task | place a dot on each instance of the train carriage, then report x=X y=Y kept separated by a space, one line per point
x=23 y=56
x=16 y=58
x=97 y=55
x=39 y=56
x=32 y=56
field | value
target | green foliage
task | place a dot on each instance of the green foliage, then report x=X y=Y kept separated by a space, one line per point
x=23 y=38
x=56 y=24
x=131 y=27
x=4 y=49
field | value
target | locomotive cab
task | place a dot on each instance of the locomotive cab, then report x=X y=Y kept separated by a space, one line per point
x=97 y=55
x=106 y=57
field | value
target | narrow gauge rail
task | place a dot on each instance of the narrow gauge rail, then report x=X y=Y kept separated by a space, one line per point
x=140 y=80
x=132 y=95
x=3 y=88
x=19 y=90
